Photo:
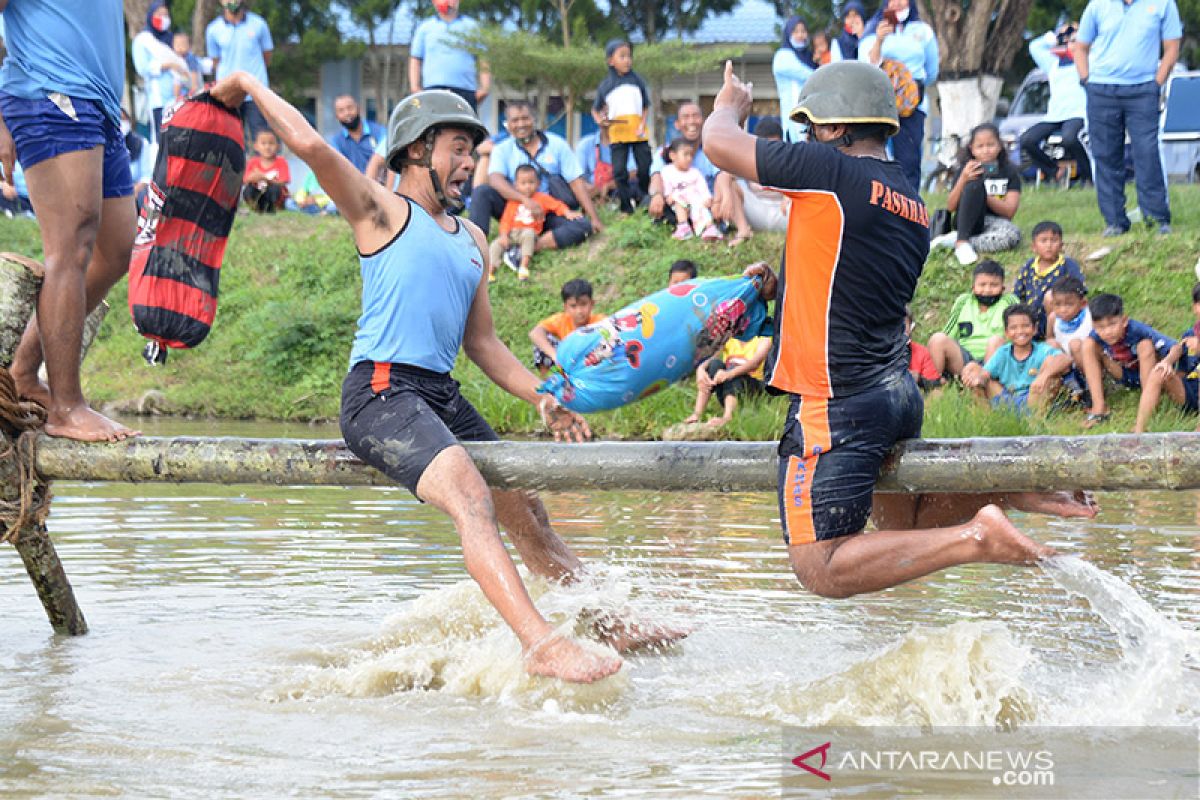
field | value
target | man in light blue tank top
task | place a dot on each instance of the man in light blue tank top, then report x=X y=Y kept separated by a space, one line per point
x=60 y=90
x=425 y=295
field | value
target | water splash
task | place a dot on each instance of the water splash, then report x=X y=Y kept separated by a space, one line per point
x=1153 y=679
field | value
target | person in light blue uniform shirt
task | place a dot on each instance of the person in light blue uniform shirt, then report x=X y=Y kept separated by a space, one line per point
x=911 y=42
x=60 y=90
x=239 y=39
x=438 y=60
x=792 y=64
x=1117 y=57
x=358 y=138
x=1068 y=104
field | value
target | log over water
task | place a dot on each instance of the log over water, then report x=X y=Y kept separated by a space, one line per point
x=1111 y=462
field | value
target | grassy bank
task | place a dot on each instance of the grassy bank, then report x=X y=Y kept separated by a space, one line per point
x=290 y=298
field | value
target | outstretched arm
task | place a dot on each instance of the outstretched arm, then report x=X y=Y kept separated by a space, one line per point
x=726 y=144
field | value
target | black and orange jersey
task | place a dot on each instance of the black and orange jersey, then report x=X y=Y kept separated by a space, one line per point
x=856 y=243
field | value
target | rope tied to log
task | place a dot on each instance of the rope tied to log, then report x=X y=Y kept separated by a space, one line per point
x=22 y=420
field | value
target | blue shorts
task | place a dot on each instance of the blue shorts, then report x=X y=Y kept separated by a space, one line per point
x=1191 y=388
x=1130 y=378
x=42 y=130
x=831 y=452
x=1017 y=401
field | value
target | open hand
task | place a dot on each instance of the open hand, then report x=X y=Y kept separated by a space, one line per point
x=564 y=423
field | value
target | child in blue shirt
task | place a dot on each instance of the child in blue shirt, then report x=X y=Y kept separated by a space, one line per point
x=1126 y=349
x=1178 y=373
x=1023 y=372
x=1040 y=273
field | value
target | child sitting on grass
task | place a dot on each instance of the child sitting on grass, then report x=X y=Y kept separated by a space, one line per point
x=578 y=311
x=267 y=176
x=920 y=363
x=1041 y=272
x=686 y=192
x=976 y=325
x=1124 y=348
x=1178 y=373
x=519 y=229
x=737 y=371
x=680 y=271
x=1023 y=373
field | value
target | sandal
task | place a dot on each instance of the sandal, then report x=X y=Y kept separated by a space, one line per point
x=1093 y=419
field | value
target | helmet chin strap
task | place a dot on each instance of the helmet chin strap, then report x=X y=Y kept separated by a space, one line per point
x=439 y=193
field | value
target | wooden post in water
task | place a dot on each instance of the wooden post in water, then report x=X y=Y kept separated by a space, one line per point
x=20 y=280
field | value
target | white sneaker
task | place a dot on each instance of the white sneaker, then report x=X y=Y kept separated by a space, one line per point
x=965 y=254
x=945 y=240
x=1198 y=269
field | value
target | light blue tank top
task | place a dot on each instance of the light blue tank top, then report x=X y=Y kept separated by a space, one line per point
x=417 y=292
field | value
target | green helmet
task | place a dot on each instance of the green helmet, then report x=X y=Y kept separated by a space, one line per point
x=422 y=112
x=848 y=92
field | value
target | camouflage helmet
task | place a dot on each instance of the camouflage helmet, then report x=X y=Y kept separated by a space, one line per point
x=419 y=113
x=848 y=92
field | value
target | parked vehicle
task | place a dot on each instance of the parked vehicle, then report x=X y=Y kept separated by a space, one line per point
x=1181 y=127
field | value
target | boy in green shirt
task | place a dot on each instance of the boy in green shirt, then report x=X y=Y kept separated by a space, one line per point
x=976 y=326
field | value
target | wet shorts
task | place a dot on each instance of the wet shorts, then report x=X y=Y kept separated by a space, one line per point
x=42 y=129
x=831 y=452
x=398 y=417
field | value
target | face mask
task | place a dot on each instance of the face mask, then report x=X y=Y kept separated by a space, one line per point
x=902 y=15
x=442 y=7
x=988 y=300
x=161 y=23
x=232 y=8
x=352 y=123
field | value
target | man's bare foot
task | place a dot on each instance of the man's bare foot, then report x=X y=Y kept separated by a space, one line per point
x=625 y=637
x=86 y=425
x=1061 y=504
x=30 y=387
x=559 y=657
x=716 y=422
x=1002 y=542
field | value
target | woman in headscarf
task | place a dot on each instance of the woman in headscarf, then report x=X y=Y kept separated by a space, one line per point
x=896 y=32
x=845 y=46
x=156 y=62
x=792 y=65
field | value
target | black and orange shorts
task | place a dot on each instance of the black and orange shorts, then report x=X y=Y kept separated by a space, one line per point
x=831 y=452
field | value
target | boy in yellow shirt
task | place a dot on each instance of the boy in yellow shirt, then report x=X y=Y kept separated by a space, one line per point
x=738 y=370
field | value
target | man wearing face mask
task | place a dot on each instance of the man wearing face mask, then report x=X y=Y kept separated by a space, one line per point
x=239 y=39
x=425 y=297
x=857 y=239
x=358 y=137
x=438 y=60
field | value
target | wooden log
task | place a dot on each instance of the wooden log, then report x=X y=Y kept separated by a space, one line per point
x=1045 y=463
x=20 y=279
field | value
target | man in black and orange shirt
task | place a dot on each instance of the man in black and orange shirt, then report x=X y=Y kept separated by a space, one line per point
x=857 y=239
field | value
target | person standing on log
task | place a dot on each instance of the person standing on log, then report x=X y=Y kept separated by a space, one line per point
x=60 y=103
x=840 y=351
x=425 y=295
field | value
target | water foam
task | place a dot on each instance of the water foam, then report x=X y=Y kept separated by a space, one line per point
x=452 y=640
x=1154 y=678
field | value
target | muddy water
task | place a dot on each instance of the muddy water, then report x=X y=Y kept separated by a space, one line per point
x=263 y=642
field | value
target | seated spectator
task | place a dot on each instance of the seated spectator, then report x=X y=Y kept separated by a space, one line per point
x=975 y=328
x=1066 y=112
x=578 y=311
x=1046 y=268
x=312 y=199
x=1178 y=374
x=595 y=158
x=920 y=362
x=1072 y=327
x=267 y=176
x=680 y=271
x=560 y=177
x=984 y=198
x=736 y=372
x=519 y=229
x=1124 y=348
x=14 y=195
x=358 y=138
x=688 y=195
x=1023 y=373
x=752 y=206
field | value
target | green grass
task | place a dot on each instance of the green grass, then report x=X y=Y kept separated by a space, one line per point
x=290 y=297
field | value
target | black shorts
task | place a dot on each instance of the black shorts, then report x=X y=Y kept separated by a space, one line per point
x=831 y=452
x=741 y=386
x=398 y=417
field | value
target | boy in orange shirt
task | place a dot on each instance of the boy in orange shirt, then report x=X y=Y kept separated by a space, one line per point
x=578 y=311
x=519 y=227
x=267 y=175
